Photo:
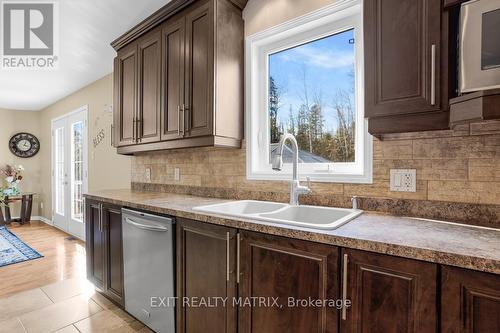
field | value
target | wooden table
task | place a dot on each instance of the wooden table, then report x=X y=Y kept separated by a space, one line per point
x=26 y=207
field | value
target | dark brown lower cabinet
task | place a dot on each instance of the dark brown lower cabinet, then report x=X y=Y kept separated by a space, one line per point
x=230 y=281
x=286 y=269
x=388 y=294
x=112 y=223
x=206 y=262
x=470 y=301
x=104 y=249
x=95 y=244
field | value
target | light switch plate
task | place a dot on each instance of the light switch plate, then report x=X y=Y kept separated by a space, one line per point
x=147 y=175
x=177 y=174
x=403 y=180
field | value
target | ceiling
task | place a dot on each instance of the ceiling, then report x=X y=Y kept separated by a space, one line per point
x=86 y=29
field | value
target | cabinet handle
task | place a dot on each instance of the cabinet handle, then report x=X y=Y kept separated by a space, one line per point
x=188 y=118
x=178 y=120
x=100 y=218
x=112 y=136
x=139 y=130
x=183 y=109
x=227 y=256
x=238 y=240
x=344 y=286
x=134 y=130
x=433 y=74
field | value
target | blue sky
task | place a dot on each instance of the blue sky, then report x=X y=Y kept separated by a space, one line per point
x=326 y=65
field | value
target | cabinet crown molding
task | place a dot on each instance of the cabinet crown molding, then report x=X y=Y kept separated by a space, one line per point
x=162 y=14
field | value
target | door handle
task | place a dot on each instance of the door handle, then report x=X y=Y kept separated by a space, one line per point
x=344 y=286
x=146 y=226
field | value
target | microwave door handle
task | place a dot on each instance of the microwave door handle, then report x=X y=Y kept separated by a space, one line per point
x=145 y=226
x=433 y=74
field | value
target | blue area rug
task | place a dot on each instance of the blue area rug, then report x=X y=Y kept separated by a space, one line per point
x=13 y=250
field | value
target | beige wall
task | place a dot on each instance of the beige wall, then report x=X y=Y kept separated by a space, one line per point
x=263 y=14
x=107 y=169
x=12 y=122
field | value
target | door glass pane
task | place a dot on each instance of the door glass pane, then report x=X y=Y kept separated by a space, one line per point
x=77 y=171
x=59 y=170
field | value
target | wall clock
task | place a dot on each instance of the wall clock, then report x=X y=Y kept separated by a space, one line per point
x=24 y=145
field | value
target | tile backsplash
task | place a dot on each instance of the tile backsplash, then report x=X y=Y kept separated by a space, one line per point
x=456 y=166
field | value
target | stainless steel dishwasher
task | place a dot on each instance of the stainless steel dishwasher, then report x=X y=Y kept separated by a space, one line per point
x=148 y=258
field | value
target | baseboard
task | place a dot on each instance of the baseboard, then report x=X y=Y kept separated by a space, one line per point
x=42 y=219
x=38 y=218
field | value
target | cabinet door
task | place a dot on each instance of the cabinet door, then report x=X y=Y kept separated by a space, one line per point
x=470 y=301
x=402 y=59
x=95 y=244
x=112 y=224
x=199 y=105
x=125 y=114
x=206 y=260
x=149 y=76
x=388 y=294
x=279 y=267
x=173 y=39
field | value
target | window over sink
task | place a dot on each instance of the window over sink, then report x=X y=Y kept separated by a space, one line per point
x=305 y=77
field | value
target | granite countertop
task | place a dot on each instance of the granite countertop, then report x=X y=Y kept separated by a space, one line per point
x=445 y=243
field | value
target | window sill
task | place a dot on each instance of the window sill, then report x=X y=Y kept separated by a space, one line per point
x=316 y=177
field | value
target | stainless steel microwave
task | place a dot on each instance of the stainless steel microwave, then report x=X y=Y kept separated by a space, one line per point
x=479 y=55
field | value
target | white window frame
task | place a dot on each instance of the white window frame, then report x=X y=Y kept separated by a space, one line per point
x=341 y=16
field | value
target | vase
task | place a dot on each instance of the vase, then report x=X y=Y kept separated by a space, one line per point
x=13 y=189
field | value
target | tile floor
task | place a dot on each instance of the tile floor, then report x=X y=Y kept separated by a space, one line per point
x=68 y=306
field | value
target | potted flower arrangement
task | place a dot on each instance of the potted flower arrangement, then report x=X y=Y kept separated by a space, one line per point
x=13 y=176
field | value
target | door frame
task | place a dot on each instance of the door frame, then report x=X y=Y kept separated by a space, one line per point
x=85 y=110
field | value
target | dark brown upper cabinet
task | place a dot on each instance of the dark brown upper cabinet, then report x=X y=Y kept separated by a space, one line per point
x=388 y=294
x=199 y=101
x=149 y=85
x=188 y=77
x=172 y=122
x=406 y=65
x=125 y=76
x=283 y=268
x=470 y=301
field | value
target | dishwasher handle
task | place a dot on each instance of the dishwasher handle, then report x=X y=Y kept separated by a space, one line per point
x=149 y=227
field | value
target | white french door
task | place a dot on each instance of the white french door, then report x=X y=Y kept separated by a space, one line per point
x=69 y=171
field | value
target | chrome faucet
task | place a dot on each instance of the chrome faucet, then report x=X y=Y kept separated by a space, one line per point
x=355 y=202
x=277 y=163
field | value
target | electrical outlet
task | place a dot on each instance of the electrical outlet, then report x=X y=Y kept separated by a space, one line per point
x=41 y=205
x=177 y=174
x=403 y=180
x=147 y=175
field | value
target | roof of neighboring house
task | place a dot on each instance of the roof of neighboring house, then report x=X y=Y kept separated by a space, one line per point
x=304 y=156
